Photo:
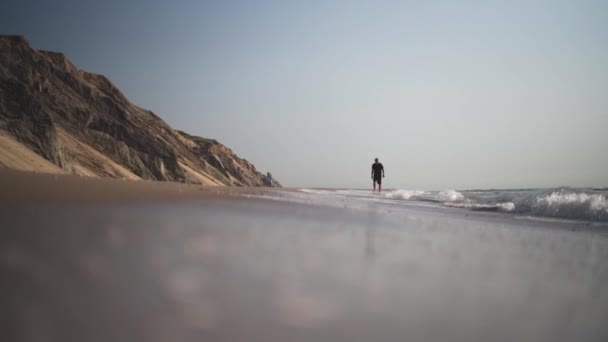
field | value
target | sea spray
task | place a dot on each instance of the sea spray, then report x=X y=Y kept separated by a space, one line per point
x=404 y=194
x=450 y=196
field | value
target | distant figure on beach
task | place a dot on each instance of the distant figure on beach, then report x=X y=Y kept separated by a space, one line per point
x=268 y=179
x=377 y=174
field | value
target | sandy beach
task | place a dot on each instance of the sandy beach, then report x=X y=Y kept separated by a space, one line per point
x=86 y=259
x=30 y=187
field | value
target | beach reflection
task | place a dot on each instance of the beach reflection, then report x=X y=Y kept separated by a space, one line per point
x=266 y=271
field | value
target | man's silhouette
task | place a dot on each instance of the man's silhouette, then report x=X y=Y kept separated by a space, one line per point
x=377 y=174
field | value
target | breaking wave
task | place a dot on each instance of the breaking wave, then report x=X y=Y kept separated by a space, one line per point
x=405 y=194
x=568 y=203
x=589 y=204
x=573 y=205
x=450 y=196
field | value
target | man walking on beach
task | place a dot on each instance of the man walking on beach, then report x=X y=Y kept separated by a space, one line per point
x=377 y=174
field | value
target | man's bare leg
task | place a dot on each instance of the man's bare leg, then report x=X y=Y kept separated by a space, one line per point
x=379 y=187
x=374 y=186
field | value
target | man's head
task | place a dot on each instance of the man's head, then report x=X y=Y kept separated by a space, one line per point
x=376 y=160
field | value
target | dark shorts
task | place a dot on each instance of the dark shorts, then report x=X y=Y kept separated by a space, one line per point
x=378 y=179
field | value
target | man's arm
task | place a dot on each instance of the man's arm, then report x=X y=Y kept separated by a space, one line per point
x=372 y=171
x=382 y=171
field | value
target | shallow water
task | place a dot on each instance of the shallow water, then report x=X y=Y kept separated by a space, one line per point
x=580 y=204
x=258 y=270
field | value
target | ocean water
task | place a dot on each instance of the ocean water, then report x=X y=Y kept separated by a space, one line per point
x=582 y=204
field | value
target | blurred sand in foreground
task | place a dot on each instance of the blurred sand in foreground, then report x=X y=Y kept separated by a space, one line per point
x=85 y=259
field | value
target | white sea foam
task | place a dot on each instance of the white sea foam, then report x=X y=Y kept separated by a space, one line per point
x=507 y=206
x=450 y=196
x=578 y=204
x=316 y=191
x=404 y=194
x=595 y=202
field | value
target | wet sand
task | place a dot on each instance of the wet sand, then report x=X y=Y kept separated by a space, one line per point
x=88 y=260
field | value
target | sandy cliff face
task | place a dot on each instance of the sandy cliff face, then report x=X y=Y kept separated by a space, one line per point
x=81 y=123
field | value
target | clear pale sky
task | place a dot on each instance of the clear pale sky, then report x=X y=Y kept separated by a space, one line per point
x=448 y=94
